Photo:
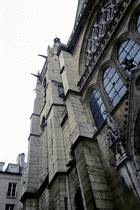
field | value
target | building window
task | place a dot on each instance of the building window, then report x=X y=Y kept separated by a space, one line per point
x=61 y=91
x=138 y=24
x=113 y=85
x=9 y=207
x=97 y=108
x=131 y=51
x=43 y=123
x=79 y=200
x=11 y=190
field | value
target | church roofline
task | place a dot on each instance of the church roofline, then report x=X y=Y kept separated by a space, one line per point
x=79 y=24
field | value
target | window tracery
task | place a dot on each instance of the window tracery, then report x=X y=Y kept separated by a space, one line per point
x=100 y=25
x=128 y=55
x=97 y=108
x=130 y=51
x=113 y=85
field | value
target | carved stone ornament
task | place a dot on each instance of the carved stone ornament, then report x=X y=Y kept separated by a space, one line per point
x=100 y=25
x=128 y=64
x=116 y=138
x=72 y=156
x=102 y=29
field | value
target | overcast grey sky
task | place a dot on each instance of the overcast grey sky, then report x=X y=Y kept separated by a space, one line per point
x=27 y=27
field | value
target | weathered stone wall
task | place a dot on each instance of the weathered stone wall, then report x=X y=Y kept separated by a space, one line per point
x=122 y=196
x=30 y=204
x=33 y=164
x=58 y=193
x=73 y=185
x=68 y=120
x=66 y=135
x=44 y=200
x=96 y=192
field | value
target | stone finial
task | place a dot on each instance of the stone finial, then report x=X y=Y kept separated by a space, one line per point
x=57 y=40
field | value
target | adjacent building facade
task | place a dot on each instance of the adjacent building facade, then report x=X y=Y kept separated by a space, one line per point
x=10 y=185
x=84 y=143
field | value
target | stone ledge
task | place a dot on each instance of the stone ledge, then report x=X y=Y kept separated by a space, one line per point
x=28 y=195
x=33 y=134
x=37 y=115
x=122 y=161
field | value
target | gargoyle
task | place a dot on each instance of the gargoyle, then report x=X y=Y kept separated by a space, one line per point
x=72 y=156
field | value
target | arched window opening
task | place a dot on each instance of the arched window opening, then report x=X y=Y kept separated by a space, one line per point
x=79 y=200
x=97 y=108
x=129 y=55
x=138 y=24
x=113 y=85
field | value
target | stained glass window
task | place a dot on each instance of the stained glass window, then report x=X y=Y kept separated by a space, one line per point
x=138 y=24
x=97 y=108
x=113 y=85
x=129 y=50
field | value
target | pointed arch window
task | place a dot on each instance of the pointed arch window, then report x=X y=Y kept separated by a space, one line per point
x=113 y=85
x=79 y=200
x=131 y=51
x=97 y=108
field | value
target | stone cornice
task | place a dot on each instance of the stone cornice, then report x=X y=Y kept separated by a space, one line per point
x=42 y=107
x=113 y=25
x=70 y=91
x=52 y=107
x=44 y=185
x=33 y=134
x=33 y=114
x=28 y=195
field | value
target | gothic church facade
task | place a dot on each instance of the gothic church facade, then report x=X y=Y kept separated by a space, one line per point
x=84 y=143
